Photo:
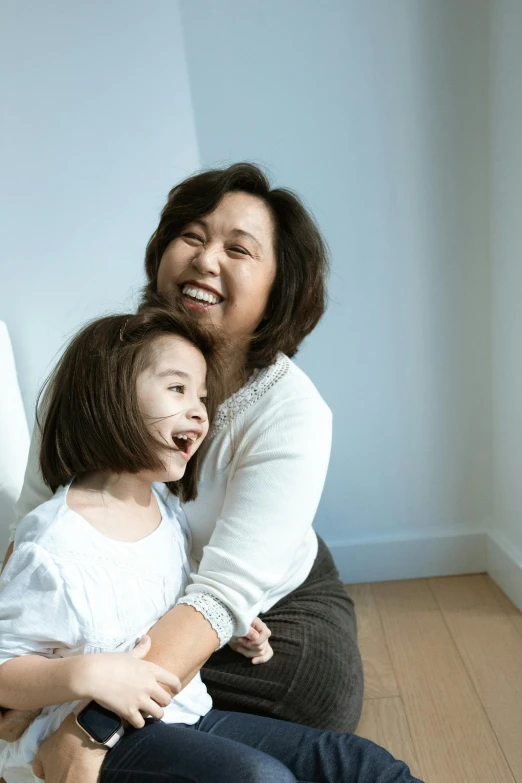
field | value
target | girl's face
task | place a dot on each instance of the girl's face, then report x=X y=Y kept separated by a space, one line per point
x=171 y=395
x=224 y=264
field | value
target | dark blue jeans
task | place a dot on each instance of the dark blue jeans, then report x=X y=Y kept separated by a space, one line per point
x=233 y=747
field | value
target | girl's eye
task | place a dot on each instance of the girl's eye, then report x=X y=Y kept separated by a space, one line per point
x=178 y=389
x=204 y=400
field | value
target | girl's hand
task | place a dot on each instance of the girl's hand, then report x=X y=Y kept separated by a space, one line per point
x=13 y=723
x=127 y=685
x=255 y=644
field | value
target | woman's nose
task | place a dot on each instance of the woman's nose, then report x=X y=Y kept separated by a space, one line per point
x=207 y=261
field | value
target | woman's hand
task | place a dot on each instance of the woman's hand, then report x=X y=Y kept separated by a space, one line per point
x=255 y=644
x=68 y=756
x=13 y=723
x=125 y=684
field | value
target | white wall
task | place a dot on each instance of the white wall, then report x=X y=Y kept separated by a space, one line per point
x=505 y=552
x=376 y=113
x=97 y=126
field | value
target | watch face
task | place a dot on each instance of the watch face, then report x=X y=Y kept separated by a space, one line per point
x=99 y=722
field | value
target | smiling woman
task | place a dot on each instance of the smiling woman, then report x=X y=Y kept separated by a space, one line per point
x=250 y=262
x=224 y=265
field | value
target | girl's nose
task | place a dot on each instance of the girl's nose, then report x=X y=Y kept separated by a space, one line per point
x=198 y=411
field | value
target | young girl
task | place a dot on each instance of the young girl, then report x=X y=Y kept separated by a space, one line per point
x=97 y=565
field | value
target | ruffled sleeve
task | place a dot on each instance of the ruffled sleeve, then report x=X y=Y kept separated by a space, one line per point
x=36 y=615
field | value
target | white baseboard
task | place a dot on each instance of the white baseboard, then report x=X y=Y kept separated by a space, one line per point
x=436 y=553
x=504 y=565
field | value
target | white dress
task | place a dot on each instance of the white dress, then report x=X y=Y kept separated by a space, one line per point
x=68 y=589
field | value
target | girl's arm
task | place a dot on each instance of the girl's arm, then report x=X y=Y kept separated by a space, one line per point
x=31 y=682
x=123 y=683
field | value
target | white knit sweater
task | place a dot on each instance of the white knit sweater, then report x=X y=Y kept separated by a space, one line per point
x=260 y=486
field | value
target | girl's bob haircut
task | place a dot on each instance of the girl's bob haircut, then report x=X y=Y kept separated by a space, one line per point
x=298 y=296
x=91 y=417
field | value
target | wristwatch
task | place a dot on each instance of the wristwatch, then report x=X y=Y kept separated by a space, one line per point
x=101 y=725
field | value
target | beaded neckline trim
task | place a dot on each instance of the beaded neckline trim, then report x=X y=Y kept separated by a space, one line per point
x=257 y=385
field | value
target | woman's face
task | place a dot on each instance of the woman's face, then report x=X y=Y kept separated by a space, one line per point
x=171 y=395
x=224 y=264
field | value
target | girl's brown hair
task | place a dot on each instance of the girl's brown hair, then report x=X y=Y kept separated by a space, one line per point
x=298 y=296
x=92 y=421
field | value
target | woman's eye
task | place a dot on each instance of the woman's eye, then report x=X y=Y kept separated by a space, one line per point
x=194 y=237
x=178 y=389
x=238 y=249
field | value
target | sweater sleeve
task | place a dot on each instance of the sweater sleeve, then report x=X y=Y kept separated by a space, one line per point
x=34 y=490
x=271 y=499
x=36 y=615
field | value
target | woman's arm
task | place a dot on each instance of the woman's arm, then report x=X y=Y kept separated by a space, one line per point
x=263 y=543
x=182 y=640
x=7 y=555
x=34 y=490
x=271 y=500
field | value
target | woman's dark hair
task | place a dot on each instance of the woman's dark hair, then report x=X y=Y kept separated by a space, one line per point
x=298 y=296
x=91 y=416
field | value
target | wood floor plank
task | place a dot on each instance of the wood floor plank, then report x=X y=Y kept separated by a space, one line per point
x=379 y=677
x=384 y=721
x=514 y=614
x=492 y=651
x=451 y=733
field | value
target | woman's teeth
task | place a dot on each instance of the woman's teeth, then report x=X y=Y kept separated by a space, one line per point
x=200 y=295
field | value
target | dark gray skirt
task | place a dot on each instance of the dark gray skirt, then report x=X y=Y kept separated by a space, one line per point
x=315 y=677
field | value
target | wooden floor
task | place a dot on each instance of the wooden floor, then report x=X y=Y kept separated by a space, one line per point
x=443 y=677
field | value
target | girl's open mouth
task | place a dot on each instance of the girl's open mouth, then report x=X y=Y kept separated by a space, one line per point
x=184 y=443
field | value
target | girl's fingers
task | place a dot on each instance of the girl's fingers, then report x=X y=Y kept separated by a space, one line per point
x=154 y=710
x=251 y=636
x=142 y=648
x=260 y=626
x=265 y=657
x=166 y=678
x=258 y=632
x=252 y=646
x=160 y=696
x=248 y=652
x=136 y=719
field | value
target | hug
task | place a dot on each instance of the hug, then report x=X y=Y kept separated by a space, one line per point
x=167 y=610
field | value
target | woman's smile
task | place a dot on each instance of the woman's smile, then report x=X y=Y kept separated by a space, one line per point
x=199 y=295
